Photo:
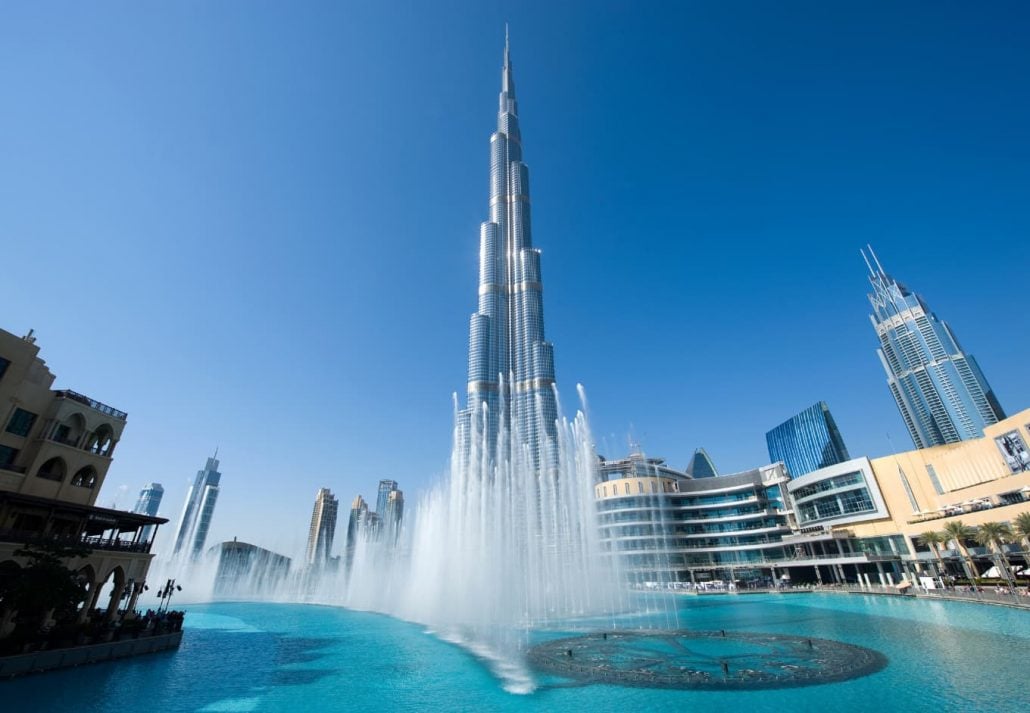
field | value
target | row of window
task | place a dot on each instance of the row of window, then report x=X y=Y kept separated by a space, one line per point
x=839 y=481
x=841 y=504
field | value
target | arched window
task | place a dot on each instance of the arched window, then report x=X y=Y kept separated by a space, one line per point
x=70 y=431
x=85 y=477
x=102 y=441
x=53 y=469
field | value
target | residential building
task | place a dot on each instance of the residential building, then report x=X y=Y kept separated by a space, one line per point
x=149 y=503
x=940 y=390
x=56 y=447
x=511 y=364
x=197 y=511
x=808 y=441
x=385 y=488
x=393 y=517
x=323 y=528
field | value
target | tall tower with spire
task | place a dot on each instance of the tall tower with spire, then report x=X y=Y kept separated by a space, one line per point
x=941 y=393
x=512 y=407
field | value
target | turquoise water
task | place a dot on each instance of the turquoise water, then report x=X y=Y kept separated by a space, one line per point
x=283 y=657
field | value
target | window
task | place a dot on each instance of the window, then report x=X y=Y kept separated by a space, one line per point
x=640 y=486
x=626 y=488
x=934 y=479
x=7 y=455
x=85 y=478
x=21 y=422
x=4 y=363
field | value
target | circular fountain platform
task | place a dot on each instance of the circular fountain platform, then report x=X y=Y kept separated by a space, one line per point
x=711 y=660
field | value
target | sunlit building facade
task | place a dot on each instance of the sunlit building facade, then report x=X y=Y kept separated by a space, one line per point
x=323 y=528
x=511 y=364
x=199 y=508
x=808 y=441
x=940 y=391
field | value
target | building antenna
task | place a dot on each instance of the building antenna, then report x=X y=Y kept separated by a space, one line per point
x=876 y=260
x=867 y=264
x=215 y=457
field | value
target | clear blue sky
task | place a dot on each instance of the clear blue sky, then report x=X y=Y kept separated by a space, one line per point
x=254 y=225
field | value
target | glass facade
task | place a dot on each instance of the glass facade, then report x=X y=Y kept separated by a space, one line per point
x=197 y=512
x=834 y=497
x=511 y=365
x=688 y=530
x=807 y=442
x=149 y=503
x=940 y=391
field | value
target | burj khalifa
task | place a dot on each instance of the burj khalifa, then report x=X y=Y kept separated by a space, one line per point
x=512 y=406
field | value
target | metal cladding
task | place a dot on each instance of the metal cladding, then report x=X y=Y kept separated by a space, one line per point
x=511 y=365
x=941 y=393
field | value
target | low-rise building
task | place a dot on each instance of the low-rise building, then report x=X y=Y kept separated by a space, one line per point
x=56 y=447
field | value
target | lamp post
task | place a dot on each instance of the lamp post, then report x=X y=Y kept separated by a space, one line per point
x=166 y=592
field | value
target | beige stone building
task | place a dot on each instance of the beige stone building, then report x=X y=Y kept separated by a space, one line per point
x=877 y=508
x=55 y=450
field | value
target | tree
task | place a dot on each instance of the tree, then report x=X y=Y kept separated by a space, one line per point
x=1021 y=524
x=991 y=535
x=961 y=532
x=45 y=584
x=933 y=540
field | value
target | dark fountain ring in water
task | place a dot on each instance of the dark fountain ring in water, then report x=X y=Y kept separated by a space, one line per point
x=712 y=660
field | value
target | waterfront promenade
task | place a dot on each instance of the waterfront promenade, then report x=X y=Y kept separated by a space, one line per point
x=1018 y=597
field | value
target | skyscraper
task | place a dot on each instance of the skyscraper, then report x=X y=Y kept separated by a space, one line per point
x=511 y=365
x=197 y=511
x=808 y=441
x=385 y=488
x=323 y=528
x=393 y=515
x=941 y=392
x=148 y=503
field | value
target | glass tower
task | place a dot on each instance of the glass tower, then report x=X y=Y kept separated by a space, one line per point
x=148 y=504
x=941 y=392
x=385 y=488
x=511 y=365
x=807 y=442
x=197 y=511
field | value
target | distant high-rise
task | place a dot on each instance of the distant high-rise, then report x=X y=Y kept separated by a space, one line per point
x=148 y=504
x=511 y=365
x=701 y=465
x=358 y=515
x=941 y=392
x=393 y=514
x=197 y=511
x=385 y=488
x=323 y=528
x=808 y=441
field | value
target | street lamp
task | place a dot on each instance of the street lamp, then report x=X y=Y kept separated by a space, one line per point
x=166 y=592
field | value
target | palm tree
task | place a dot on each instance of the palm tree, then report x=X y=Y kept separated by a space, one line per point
x=1021 y=524
x=933 y=540
x=961 y=532
x=991 y=535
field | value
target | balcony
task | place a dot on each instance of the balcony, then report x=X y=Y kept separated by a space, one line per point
x=93 y=404
x=23 y=537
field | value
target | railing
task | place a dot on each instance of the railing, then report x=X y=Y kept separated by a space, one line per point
x=92 y=403
x=1016 y=596
x=94 y=543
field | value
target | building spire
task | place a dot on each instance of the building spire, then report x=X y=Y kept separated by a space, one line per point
x=507 y=79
